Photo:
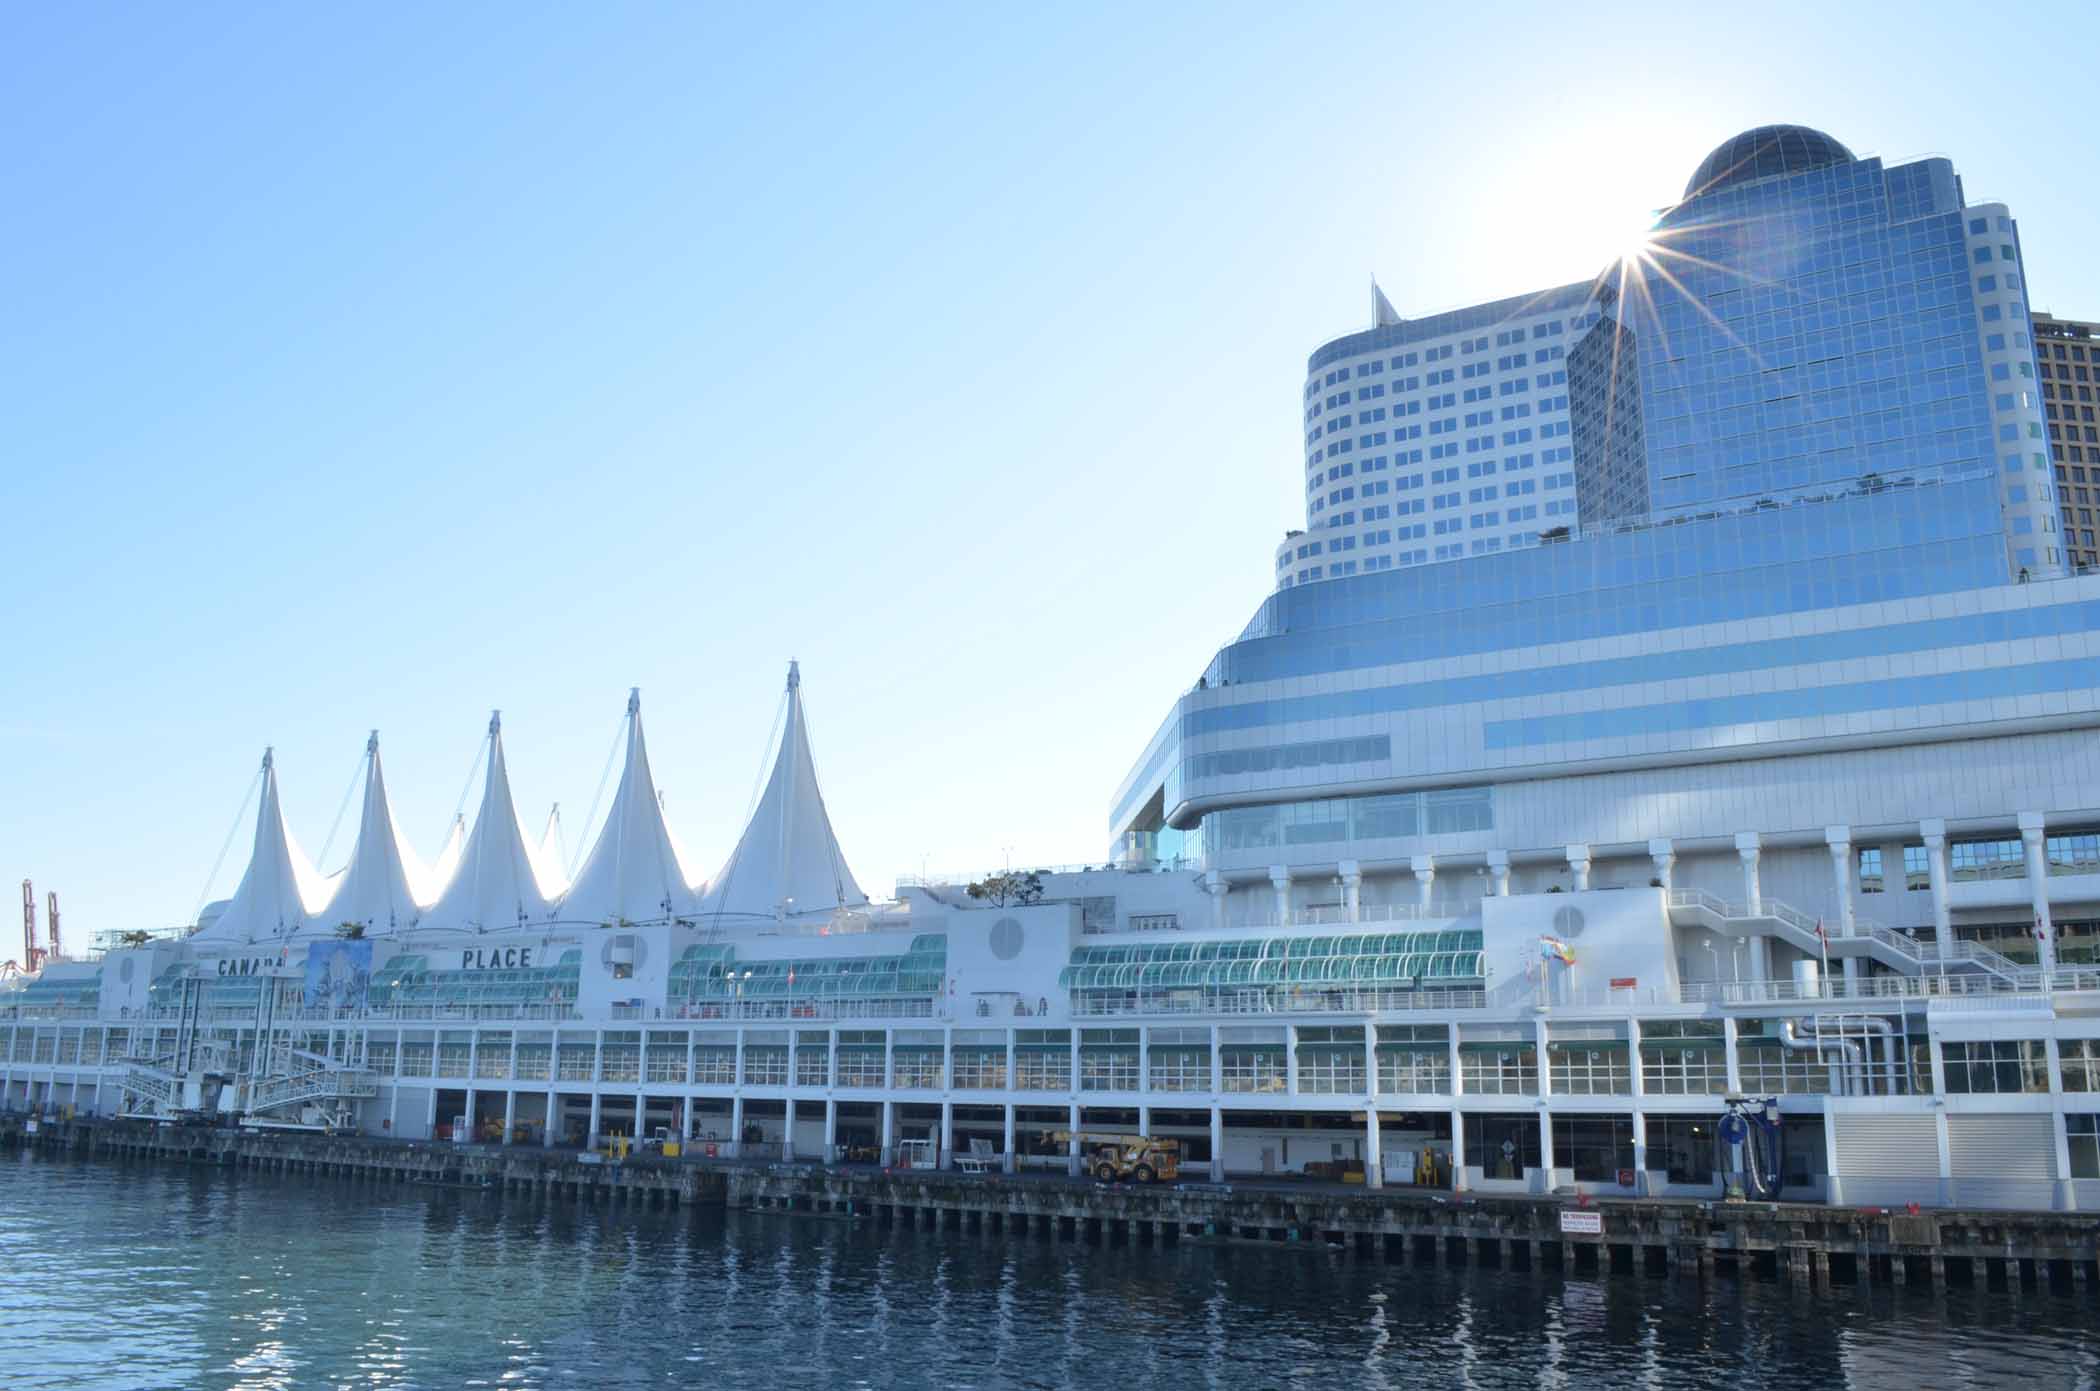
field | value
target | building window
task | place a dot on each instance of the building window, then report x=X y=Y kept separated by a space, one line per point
x=1998 y=1065
x=2074 y=854
x=2084 y=1134
x=1988 y=859
x=1597 y=1148
x=1502 y=1146
x=2081 y=1063
x=1870 y=870
x=1917 y=873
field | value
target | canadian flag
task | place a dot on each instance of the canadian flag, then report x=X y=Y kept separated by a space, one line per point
x=2041 y=933
x=1821 y=933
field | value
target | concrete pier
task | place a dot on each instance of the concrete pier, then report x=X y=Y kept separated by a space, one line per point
x=1816 y=1247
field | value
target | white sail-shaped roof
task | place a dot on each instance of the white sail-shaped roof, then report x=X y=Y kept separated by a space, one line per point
x=497 y=884
x=633 y=873
x=379 y=888
x=280 y=885
x=788 y=861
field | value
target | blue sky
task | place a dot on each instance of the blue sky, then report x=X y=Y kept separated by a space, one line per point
x=374 y=366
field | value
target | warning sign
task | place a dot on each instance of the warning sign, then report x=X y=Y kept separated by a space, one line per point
x=1580 y=1222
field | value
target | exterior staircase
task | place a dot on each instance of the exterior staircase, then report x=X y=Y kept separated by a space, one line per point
x=317 y=1084
x=1696 y=907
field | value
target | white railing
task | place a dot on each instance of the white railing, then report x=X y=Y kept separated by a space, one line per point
x=1335 y=915
x=1254 y=1000
x=790 y=1010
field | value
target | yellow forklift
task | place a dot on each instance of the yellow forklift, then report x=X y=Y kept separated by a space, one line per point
x=1124 y=1158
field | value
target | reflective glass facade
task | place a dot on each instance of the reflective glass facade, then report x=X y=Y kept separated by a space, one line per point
x=1850 y=549
x=1810 y=329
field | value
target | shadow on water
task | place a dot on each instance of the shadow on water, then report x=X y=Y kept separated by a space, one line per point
x=140 y=1275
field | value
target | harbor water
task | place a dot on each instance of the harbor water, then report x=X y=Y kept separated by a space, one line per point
x=135 y=1275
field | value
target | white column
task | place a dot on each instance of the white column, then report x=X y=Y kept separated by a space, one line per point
x=736 y=1123
x=1498 y=871
x=2038 y=885
x=2066 y=1197
x=1458 y=1145
x=1217 y=1145
x=831 y=1130
x=1750 y=846
x=1663 y=851
x=1729 y=1057
x=1352 y=890
x=1640 y=1148
x=473 y=1122
x=547 y=1131
x=1214 y=884
x=1424 y=867
x=1280 y=878
x=947 y=1141
x=1839 y=839
x=592 y=1141
x=1374 y=1169
x=1008 y=1154
x=887 y=1143
x=1934 y=834
x=1290 y=1060
x=1546 y=1164
x=1072 y=1143
x=510 y=1113
x=787 y=1137
x=1579 y=864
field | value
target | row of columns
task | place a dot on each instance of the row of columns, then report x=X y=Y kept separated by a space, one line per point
x=1749 y=847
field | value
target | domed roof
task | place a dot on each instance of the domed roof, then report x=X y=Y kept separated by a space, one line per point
x=1761 y=153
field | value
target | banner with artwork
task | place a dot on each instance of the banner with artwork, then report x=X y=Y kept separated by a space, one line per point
x=338 y=975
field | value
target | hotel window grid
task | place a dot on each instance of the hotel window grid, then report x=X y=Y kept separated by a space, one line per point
x=1180 y=1060
x=1870 y=870
x=1987 y=859
x=1414 y=1058
x=1589 y=1068
x=578 y=1061
x=1683 y=1057
x=621 y=1060
x=1331 y=1060
x=1108 y=1060
x=2081 y=1063
x=860 y=1059
x=1996 y=1065
x=916 y=1067
x=981 y=1067
x=380 y=1055
x=1043 y=1060
x=416 y=1059
x=492 y=1056
x=1499 y=1068
x=2073 y=854
x=1770 y=1068
x=813 y=1060
x=1254 y=1067
x=452 y=1059
x=2083 y=1133
x=666 y=1062
x=715 y=1064
x=534 y=1062
x=1917 y=872
x=766 y=1066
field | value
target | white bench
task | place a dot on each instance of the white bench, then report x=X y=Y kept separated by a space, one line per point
x=981 y=1158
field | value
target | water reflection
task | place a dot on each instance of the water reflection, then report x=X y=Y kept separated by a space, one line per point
x=140 y=1275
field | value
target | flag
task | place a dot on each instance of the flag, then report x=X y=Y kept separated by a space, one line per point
x=1553 y=949
x=1821 y=933
x=2041 y=933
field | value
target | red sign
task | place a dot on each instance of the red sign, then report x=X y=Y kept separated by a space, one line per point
x=1624 y=982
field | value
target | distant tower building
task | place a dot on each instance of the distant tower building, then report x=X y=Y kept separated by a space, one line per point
x=2067 y=353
